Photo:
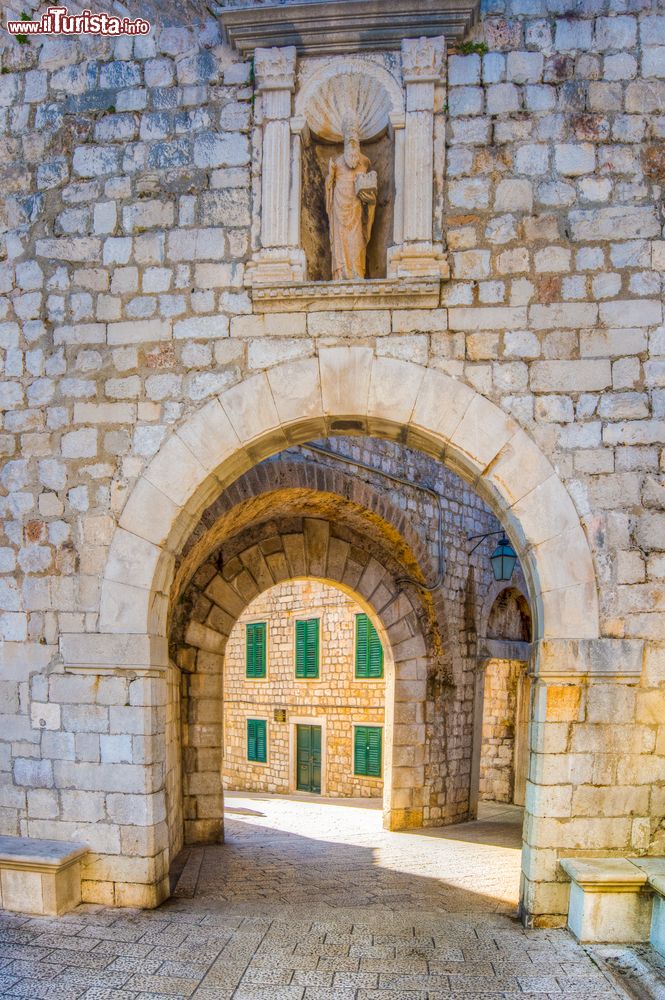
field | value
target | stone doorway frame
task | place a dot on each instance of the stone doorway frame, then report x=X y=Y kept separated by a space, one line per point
x=307 y=720
x=345 y=390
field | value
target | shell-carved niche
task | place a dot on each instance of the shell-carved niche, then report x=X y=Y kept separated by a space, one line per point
x=339 y=98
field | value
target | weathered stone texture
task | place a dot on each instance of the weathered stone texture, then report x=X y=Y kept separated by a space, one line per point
x=130 y=181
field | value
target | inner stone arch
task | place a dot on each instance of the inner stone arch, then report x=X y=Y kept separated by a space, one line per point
x=323 y=512
x=247 y=565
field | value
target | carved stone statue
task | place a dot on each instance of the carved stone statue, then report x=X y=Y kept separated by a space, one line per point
x=350 y=204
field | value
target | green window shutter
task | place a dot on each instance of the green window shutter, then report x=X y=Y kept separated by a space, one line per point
x=313 y=647
x=362 y=647
x=375 y=653
x=360 y=750
x=301 y=645
x=367 y=751
x=369 y=651
x=257 y=743
x=307 y=648
x=261 y=741
x=255 y=649
x=374 y=751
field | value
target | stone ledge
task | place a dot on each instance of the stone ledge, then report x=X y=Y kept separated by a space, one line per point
x=38 y=855
x=610 y=901
x=610 y=659
x=604 y=874
x=374 y=293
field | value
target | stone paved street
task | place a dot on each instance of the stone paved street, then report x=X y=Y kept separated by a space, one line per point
x=312 y=900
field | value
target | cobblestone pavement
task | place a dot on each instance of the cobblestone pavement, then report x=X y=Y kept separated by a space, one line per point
x=312 y=900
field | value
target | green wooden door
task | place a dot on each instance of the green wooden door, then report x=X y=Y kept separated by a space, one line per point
x=308 y=759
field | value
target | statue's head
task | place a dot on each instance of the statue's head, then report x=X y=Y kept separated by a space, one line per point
x=351 y=133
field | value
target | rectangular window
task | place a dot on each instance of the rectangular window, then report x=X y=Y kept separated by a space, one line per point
x=367 y=751
x=307 y=648
x=369 y=651
x=255 y=649
x=257 y=744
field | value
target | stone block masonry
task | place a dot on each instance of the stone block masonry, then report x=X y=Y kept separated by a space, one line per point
x=337 y=700
x=130 y=182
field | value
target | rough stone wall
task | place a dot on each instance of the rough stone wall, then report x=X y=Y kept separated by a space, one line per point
x=126 y=230
x=337 y=697
x=497 y=765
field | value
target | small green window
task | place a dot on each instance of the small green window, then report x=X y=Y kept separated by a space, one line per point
x=307 y=648
x=367 y=751
x=257 y=746
x=369 y=651
x=255 y=649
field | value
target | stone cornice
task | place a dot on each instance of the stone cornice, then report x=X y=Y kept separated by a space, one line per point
x=377 y=293
x=321 y=26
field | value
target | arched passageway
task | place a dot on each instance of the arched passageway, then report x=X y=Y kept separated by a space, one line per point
x=254 y=561
x=342 y=391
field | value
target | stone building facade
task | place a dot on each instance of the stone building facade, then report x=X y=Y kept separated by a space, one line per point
x=336 y=701
x=146 y=370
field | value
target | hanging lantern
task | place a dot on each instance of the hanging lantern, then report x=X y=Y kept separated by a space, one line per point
x=503 y=560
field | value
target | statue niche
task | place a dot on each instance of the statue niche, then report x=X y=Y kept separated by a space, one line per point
x=351 y=189
x=347 y=191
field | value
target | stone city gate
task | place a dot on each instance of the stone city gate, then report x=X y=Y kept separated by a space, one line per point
x=170 y=321
x=294 y=403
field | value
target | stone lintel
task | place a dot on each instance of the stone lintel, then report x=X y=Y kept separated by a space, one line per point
x=504 y=649
x=374 y=293
x=320 y=26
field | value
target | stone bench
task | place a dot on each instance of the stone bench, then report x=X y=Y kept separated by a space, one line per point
x=657 y=936
x=654 y=869
x=610 y=900
x=40 y=876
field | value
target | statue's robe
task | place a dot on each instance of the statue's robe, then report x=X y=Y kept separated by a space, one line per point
x=350 y=218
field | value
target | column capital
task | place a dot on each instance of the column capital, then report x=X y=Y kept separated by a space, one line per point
x=423 y=59
x=275 y=69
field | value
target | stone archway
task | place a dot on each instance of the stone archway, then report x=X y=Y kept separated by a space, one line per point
x=348 y=390
x=316 y=550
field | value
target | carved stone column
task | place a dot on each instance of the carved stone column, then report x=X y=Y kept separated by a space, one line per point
x=279 y=258
x=415 y=254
